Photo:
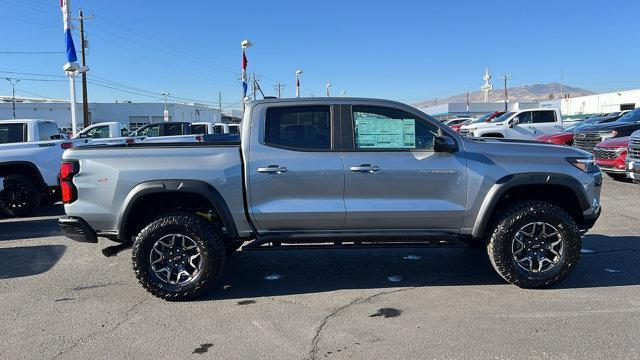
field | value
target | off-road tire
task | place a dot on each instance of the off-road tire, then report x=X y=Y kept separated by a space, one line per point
x=202 y=233
x=30 y=191
x=504 y=230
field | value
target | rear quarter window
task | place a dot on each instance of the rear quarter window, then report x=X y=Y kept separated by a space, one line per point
x=13 y=133
x=48 y=131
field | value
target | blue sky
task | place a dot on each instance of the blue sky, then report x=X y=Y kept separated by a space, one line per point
x=403 y=50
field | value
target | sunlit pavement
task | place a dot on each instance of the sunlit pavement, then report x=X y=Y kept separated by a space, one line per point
x=63 y=299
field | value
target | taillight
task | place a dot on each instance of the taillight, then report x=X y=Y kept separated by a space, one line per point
x=67 y=171
x=66 y=145
x=199 y=138
x=129 y=141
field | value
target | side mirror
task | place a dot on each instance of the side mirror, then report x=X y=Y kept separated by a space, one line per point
x=444 y=144
x=513 y=122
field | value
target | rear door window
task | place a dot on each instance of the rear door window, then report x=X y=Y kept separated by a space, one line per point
x=524 y=118
x=172 y=129
x=150 y=131
x=13 y=133
x=48 y=131
x=544 y=117
x=299 y=127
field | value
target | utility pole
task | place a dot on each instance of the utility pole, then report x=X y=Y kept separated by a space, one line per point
x=13 y=83
x=467 y=101
x=253 y=85
x=220 y=101
x=165 y=114
x=84 y=45
x=278 y=87
x=505 y=77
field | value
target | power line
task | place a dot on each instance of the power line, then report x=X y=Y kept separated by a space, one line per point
x=27 y=52
x=27 y=21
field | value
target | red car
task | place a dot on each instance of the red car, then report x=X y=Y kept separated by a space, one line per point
x=485 y=118
x=559 y=138
x=610 y=156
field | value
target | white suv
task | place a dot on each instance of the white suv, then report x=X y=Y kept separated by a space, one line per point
x=520 y=124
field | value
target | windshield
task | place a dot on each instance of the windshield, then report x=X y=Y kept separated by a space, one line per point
x=503 y=117
x=481 y=119
x=633 y=116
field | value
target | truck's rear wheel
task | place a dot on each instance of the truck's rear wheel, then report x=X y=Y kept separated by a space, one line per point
x=534 y=244
x=178 y=256
x=21 y=195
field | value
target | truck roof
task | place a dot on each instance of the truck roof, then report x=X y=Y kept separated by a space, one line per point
x=14 y=121
x=324 y=100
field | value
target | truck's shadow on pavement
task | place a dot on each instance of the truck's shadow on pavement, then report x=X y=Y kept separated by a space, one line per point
x=43 y=223
x=252 y=274
x=29 y=260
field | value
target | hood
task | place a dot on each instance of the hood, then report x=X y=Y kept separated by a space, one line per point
x=546 y=137
x=529 y=147
x=615 y=142
x=616 y=125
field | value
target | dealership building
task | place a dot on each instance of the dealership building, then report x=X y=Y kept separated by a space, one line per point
x=574 y=106
x=133 y=115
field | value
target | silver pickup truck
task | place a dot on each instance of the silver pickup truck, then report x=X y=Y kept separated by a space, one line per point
x=339 y=172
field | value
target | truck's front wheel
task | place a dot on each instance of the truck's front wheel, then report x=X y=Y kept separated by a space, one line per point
x=21 y=195
x=534 y=244
x=178 y=256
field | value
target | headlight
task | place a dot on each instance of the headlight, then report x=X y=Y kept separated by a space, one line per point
x=585 y=164
x=608 y=135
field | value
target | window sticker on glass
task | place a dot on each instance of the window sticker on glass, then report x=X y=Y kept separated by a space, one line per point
x=377 y=132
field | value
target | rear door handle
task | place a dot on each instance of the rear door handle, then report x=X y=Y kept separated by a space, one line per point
x=272 y=169
x=365 y=168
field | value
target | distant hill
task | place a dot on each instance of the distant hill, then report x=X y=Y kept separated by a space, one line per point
x=534 y=92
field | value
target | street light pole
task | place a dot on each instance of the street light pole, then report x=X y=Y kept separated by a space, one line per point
x=13 y=83
x=298 y=73
x=328 y=86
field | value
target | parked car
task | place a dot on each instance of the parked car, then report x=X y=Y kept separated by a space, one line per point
x=30 y=157
x=163 y=129
x=521 y=124
x=610 y=155
x=633 y=157
x=565 y=137
x=387 y=174
x=482 y=119
x=458 y=121
x=587 y=138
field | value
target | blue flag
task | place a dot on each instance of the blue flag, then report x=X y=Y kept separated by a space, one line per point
x=71 y=50
x=244 y=88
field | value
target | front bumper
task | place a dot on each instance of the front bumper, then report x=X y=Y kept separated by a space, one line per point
x=77 y=229
x=633 y=169
x=589 y=220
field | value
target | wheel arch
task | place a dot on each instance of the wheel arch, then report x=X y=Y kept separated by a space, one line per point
x=174 y=191
x=26 y=168
x=560 y=189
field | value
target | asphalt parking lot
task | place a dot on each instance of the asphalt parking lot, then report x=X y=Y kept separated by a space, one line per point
x=65 y=300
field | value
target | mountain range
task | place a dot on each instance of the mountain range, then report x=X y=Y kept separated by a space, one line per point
x=533 y=92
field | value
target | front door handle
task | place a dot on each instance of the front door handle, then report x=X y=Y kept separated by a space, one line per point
x=272 y=169
x=365 y=168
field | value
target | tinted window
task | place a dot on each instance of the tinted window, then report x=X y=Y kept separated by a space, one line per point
x=218 y=129
x=234 y=129
x=48 y=129
x=544 y=117
x=632 y=116
x=525 y=117
x=13 y=133
x=151 y=131
x=384 y=128
x=173 y=129
x=198 y=129
x=503 y=117
x=98 y=132
x=300 y=127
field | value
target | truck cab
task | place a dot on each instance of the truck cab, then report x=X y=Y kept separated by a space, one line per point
x=519 y=124
x=103 y=131
x=164 y=129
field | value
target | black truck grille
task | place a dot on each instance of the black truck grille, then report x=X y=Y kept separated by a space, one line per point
x=586 y=141
x=634 y=149
x=605 y=154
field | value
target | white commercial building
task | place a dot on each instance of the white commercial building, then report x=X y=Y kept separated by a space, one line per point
x=451 y=110
x=598 y=103
x=133 y=115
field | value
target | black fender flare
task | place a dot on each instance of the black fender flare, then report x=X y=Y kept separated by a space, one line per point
x=198 y=187
x=509 y=182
